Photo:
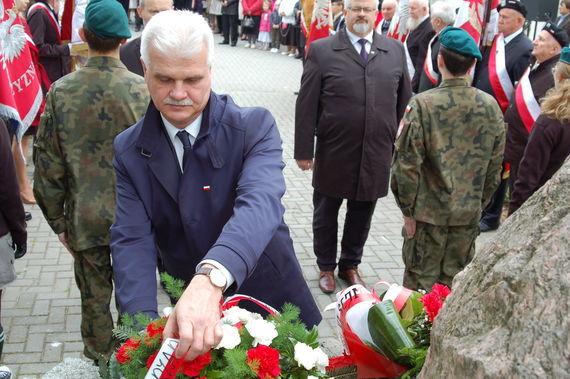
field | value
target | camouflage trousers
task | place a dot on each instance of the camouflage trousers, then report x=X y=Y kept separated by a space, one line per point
x=437 y=253
x=94 y=278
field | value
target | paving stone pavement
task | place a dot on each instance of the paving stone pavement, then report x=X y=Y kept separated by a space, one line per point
x=41 y=310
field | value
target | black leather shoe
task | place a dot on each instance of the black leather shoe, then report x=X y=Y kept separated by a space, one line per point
x=28 y=216
x=484 y=227
x=234 y=44
x=223 y=43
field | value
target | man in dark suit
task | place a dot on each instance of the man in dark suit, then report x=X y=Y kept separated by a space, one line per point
x=498 y=79
x=230 y=20
x=388 y=11
x=421 y=32
x=131 y=51
x=442 y=15
x=563 y=21
x=200 y=181
x=337 y=7
x=547 y=47
x=354 y=90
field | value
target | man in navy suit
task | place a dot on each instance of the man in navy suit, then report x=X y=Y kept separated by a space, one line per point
x=199 y=182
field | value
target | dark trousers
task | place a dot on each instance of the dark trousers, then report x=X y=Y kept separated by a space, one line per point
x=230 y=28
x=325 y=229
x=492 y=214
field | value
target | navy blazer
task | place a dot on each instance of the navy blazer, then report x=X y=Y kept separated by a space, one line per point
x=226 y=207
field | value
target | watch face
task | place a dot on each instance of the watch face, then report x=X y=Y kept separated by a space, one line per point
x=218 y=279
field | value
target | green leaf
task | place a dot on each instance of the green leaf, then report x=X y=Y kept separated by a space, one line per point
x=413 y=307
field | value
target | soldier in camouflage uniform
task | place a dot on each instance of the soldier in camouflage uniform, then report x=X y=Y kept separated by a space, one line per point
x=446 y=166
x=74 y=182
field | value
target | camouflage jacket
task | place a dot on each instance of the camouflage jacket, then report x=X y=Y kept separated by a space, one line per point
x=448 y=154
x=74 y=182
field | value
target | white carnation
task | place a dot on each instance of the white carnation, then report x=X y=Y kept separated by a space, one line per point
x=305 y=355
x=263 y=332
x=322 y=360
x=230 y=337
x=237 y=314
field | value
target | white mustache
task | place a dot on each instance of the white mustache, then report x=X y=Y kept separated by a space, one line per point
x=185 y=102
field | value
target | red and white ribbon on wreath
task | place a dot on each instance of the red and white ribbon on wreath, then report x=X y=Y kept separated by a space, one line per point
x=398 y=294
x=428 y=65
x=51 y=16
x=498 y=75
x=527 y=106
x=234 y=300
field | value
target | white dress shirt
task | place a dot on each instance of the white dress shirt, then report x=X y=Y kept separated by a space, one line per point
x=512 y=36
x=193 y=129
x=353 y=38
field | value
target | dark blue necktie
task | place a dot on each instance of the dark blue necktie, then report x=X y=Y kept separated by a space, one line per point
x=363 y=52
x=185 y=139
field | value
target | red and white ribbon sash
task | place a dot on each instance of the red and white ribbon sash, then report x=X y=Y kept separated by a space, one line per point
x=428 y=65
x=409 y=63
x=527 y=106
x=498 y=75
x=51 y=16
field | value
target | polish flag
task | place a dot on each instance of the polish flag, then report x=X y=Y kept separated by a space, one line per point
x=398 y=28
x=20 y=90
x=469 y=18
x=321 y=22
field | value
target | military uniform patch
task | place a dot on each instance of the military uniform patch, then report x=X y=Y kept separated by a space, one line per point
x=401 y=126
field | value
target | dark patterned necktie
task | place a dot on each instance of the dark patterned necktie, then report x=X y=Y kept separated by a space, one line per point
x=185 y=139
x=363 y=52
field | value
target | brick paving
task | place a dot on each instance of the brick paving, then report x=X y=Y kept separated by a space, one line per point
x=41 y=310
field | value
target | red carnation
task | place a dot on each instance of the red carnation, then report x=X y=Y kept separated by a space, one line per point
x=153 y=329
x=124 y=353
x=193 y=367
x=264 y=361
x=432 y=304
x=440 y=290
x=150 y=360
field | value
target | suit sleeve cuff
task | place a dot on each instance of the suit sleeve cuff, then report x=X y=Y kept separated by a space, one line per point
x=228 y=275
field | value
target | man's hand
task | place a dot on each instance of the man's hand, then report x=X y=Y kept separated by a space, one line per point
x=63 y=239
x=410 y=226
x=305 y=164
x=196 y=319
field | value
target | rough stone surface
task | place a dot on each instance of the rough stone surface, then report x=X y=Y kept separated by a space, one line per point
x=508 y=315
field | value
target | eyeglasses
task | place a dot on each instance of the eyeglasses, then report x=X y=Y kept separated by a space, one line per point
x=360 y=9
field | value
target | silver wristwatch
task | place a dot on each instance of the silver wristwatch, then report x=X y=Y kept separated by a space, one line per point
x=216 y=277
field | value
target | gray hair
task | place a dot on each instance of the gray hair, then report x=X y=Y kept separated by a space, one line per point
x=347 y=4
x=142 y=3
x=444 y=11
x=423 y=4
x=180 y=34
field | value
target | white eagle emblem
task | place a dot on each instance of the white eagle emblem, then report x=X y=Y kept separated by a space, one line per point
x=12 y=36
x=321 y=13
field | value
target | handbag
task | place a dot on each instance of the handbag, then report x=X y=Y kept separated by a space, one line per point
x=248 y=22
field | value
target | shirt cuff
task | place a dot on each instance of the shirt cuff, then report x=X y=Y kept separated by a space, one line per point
x=229 y=277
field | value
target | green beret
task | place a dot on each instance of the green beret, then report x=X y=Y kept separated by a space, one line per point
x=565 y=55
x=460 y=41
x=107 y=19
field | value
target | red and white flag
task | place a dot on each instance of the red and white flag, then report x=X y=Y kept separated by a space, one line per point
x=20 y=90
x=498 y=75
x=492 y=26
x=321 y=22
x=469 y=18
x=398 y=28
x=527 y=106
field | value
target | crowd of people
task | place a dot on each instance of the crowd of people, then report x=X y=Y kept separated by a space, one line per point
x=140 y=165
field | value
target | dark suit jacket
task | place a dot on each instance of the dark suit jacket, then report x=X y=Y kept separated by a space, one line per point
x=541 y=80
x=417 y=43
x=11 y=208
x=517 y=59
x=353 y=109
x=565 y=24
x=339 y=23
x=131 y=56
x=53 y=56
x=232 y=8
x=425 y=83
x=226 y=207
